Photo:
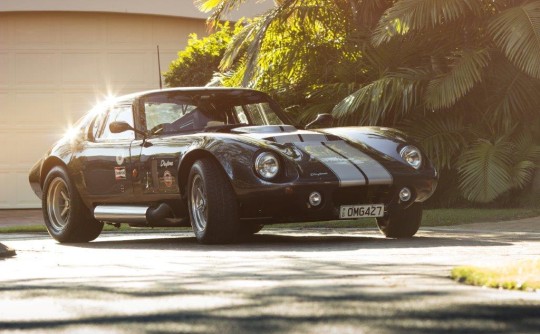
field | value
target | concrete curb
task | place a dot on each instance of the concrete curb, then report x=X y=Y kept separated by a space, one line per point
x=5 y=251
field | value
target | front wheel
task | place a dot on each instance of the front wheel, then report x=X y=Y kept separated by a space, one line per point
x=401 y=223
x=247 y=230
x=66 y=217
x=212 y=204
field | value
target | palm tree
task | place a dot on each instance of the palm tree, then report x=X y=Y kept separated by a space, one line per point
x=461 y=76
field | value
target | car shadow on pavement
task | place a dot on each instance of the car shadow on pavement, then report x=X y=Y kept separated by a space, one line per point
x=265 y=313
x=262 y=292
x=173 y=322
x=297 y=242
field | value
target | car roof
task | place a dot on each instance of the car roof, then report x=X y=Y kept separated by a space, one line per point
x=131 y=97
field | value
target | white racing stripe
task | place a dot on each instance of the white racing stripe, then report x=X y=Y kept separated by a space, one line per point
x=300 y=136
x=286 y=138
x=375 y=172
x=347 y=173
x=312 y=136
x=352 y=166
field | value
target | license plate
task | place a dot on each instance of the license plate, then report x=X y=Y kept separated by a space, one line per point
x=361 y=211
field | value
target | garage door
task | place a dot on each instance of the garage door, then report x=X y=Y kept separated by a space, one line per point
x=54 y=66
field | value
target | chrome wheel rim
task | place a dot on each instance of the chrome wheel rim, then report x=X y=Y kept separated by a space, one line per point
x=58 y=204
x=199 y=206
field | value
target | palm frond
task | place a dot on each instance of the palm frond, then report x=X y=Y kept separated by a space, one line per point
x=238 y=45
x=309 y=113
x=526 y=148
x=484 y=170
x=367 y=12
x=442 y=136
x=284 y=35
x=385 y=100
x=333 y=91
x=512 y=95
x=516 y=31
x=219 y=8
x=323 y=99
x=447 y=89
x=417 y=15
x=521 y=174
x=526 y=158
x=249 y=39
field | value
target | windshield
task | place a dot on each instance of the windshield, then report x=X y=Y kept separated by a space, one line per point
x=179 y=112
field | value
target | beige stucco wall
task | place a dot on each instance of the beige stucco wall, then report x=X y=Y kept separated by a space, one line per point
x=179 y=8
x=55 y=65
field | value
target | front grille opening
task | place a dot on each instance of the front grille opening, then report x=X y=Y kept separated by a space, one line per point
x=363 y=195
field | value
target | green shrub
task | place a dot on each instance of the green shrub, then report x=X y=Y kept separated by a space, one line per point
x=198 y=62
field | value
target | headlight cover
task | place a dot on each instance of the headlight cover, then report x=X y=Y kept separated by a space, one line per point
x=412 y=156
x=267 y=165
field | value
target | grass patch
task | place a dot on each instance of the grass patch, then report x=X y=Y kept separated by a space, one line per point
x=524 y=276
x=448 y=217
x=23 y=229
x=434 y=217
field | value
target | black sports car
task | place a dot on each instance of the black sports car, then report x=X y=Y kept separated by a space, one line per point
x=228 y=162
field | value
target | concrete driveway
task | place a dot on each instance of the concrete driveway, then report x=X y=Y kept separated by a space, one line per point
x=293 y=281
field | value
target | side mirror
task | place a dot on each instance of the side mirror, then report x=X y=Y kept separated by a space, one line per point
x=118 y=127
x=322 y=121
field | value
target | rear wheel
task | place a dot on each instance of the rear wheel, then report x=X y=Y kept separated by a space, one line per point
x=66 y=217
x=403 y=223
x=212 y=203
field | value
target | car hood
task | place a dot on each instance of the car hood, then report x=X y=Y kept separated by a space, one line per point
x=323 y=154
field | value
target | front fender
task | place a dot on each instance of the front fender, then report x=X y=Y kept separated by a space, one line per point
x=386 y=142
x=233 y=157
x=236 y=158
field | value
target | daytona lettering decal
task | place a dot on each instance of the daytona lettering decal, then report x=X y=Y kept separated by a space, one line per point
x=166 y=163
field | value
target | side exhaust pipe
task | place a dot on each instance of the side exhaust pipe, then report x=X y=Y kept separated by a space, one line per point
x=121 y=213
x=134 y=214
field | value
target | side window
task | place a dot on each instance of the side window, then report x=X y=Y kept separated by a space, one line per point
x=258 y=114
x=166 y=116
x=95 y=126
x=241 y=114
x=122 y=113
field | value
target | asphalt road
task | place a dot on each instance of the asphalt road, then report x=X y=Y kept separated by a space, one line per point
x=298 y=281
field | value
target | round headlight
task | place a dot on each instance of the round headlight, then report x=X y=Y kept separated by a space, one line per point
x=267 y=165
x=412 y=156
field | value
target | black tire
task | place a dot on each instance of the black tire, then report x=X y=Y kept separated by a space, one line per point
x=66 y=217
x=213 y=214
x=401 y=223
x=247 y=230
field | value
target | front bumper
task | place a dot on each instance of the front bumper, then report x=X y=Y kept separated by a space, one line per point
x=290 y=202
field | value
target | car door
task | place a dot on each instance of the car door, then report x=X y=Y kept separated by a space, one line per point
x=105 y=159
x=158 y=157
